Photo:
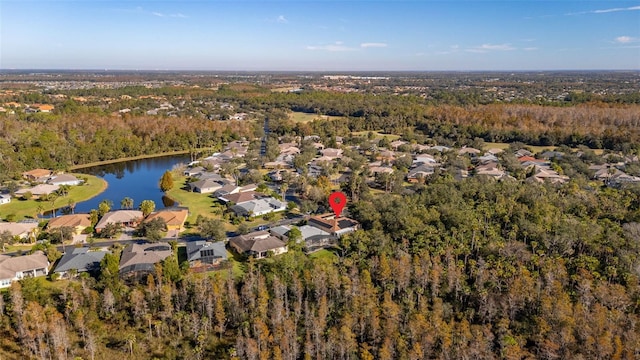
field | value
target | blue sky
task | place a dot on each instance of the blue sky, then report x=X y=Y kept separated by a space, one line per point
x=320 y=35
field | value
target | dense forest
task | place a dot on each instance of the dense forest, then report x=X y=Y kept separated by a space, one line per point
x=459 y=270
x=445 y=269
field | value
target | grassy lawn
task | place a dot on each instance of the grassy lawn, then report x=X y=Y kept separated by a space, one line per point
x=377 y=134
x=306 y=117
x=22 y=209
x=198 y=204
x=324 y=255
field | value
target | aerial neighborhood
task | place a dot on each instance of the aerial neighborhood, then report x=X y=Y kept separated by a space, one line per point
x=245 y=194
x=191 y=215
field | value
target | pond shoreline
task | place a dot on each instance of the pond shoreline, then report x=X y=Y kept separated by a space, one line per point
x=131 y=158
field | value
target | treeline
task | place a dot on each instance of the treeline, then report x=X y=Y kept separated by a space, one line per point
x=58 y=141
x=472 y=269
x=593 y=124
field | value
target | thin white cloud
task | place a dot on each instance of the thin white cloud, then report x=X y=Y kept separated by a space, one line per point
x=176 y=15
x=491 y=47
x=606 y=11
x=282 y=20
x=373 y=45
x=338 y=46
x=530 y=49
x=632 y=8
x=625 y=39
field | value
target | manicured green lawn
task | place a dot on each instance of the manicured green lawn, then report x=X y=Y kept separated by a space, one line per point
x=198 y=204
x=324 y=255
x=22 y=209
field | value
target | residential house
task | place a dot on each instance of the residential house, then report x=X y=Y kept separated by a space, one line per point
x=280 y=232
x=386 y=155
x=5 y=199
x=14 y=268
x=64 y=179
x=420 y=172
x=79 y=259
x=289 y=149
x=258 y=244
x=490 y=169
x=37 y=175
x=205 y=254
x=331 y=153
x=205 y=186
x=332 y=225
x=472 y=152
x=21 y=230
x=194 y=171
x=420 y=148
x=233 y=189
x=424 y=159
x=494 y=151
x=545 y=174
x=397 y=143
x=173 y=218
x=523 y=152
x=487 y=158
x=78 y=222
x=45 y=108
x=441 y=148
x=39 y=190
x=315 y=238
x=140 y=259
x=259 y=207
x=128 y=218
x=239 y=197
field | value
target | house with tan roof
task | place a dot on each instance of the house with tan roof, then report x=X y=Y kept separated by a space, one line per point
x=140 y=259
x=336 y=226
x=37 y=175
x=258 y=244
x=78 y=222
x=38 y=190
x=22 y=230
x=14 y=268
x=129 y=218
x=174 y=218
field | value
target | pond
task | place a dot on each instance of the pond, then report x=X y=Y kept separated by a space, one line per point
x=137 y=179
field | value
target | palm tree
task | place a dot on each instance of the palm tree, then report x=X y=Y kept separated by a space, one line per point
x=126 y=203
x=147 y=207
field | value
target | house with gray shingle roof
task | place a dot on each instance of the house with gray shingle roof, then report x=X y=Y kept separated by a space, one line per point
x=79 y=259
x=205 y=253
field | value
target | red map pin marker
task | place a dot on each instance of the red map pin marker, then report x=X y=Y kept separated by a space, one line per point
x=337 y=201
